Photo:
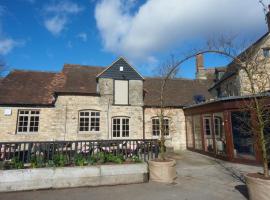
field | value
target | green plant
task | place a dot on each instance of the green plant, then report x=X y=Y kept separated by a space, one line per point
x=50 y=163
x=37 y=161
x=114 y=158
x=60 y=160
x=91 y=160
x=79 y=160
x=16 y=163
x=100 y=157
x=136 y=159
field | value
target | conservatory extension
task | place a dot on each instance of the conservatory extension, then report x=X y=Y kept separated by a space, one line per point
x=222 y=129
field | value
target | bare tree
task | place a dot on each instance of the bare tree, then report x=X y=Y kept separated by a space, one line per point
x=253 y=68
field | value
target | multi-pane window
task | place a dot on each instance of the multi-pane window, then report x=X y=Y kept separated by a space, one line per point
x=120 y=127
x=156 y=126
x=28 y=121
x=207 y=128
x=89 y=120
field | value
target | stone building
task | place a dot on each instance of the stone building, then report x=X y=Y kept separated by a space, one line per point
x=116 y=102
x=86 y=102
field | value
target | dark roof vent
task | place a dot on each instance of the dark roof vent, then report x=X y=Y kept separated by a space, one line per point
x=199 y=98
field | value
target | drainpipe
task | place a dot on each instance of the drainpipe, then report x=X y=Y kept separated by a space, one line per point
x=65 y=122
x=143 y=122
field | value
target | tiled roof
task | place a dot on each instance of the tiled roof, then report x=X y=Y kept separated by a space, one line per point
x=28 y=87
x=178 y=92
x=39 y=88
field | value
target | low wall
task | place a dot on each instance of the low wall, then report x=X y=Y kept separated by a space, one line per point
x=65 y=177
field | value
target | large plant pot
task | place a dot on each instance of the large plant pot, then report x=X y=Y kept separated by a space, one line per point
x=258 y=187
x=162 y=171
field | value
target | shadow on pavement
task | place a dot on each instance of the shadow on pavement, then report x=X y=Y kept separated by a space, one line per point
x=243 y=190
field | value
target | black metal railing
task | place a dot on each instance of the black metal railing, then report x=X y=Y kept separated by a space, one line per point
x=25 y=151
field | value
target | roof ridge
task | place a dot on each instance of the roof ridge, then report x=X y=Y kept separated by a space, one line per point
x=175 y=79
x=79 y=65
x=35 y=71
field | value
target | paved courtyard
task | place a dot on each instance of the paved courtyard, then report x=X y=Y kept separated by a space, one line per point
x=199 y=177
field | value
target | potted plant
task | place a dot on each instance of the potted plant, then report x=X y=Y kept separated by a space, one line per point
x=163 y=169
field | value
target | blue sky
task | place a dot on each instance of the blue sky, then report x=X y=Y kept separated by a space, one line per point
x=43 y=35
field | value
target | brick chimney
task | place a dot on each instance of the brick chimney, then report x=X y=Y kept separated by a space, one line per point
x=200 y=71
x=268 y=18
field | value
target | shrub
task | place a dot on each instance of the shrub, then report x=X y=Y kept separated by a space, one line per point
x=16 y=163
x=79 y=160
x=114 y=158
x=37 y=161
x=60 y=160
x=136 y=159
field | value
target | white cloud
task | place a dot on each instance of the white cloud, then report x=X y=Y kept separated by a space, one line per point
x=159 y=26
x=57 y=16
x=64 y=7
x=83 y=36
x=56 y=24
x=7 y=44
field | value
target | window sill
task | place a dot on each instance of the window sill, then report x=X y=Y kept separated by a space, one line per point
x=88 y=132
x=166 y=137
x=26 y=133
x=121 y=104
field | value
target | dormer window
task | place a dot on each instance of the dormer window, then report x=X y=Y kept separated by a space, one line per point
x=121 y=92
x=266 y=52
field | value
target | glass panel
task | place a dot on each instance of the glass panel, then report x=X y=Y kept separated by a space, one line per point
x=208 y=136
x=242 y=135
x=197 y=132
x=220 y=134
x=189 y=132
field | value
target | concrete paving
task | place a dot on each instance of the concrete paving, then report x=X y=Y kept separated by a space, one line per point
x=199 y=178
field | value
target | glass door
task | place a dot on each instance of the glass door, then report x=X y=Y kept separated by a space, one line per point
x=242 y=135
x=208 y=136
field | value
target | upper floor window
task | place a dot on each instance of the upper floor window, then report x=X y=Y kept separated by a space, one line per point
x=156 y=126
x=89 y=120
x=266 y=52
x=120 y=127
x=28 y=121
x=121 y=92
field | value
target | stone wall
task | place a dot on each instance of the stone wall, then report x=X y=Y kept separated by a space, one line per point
x=62 y=121
x=177 y=137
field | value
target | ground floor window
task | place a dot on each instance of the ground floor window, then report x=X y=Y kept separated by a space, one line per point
x=120 y=127
x=242 y=135
x=208 y=136
x=89 y=120
x=197 y=132
x=220 y=138
x=156 y=126
x=28 y=121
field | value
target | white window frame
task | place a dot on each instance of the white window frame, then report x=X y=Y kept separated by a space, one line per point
x=123 y=132
x=210 y=127
x=92 y=115
x=32 y=114
x=158 y=125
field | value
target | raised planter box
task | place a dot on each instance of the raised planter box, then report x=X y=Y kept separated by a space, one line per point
x=65 y=177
